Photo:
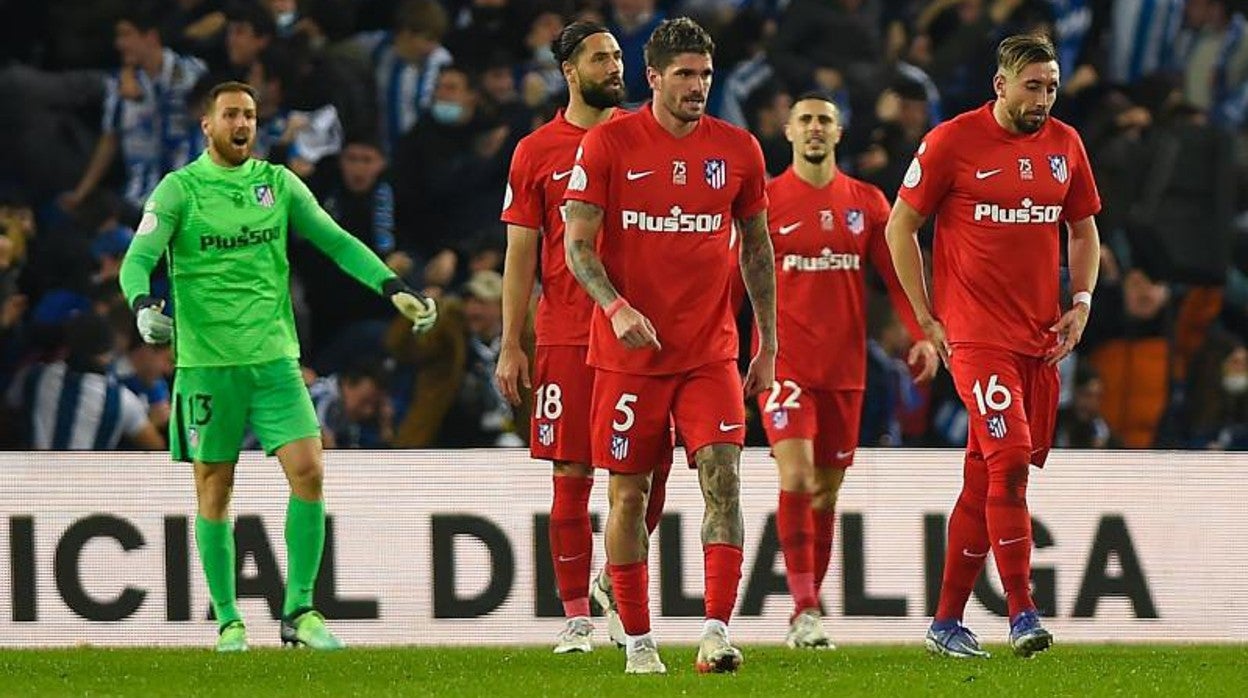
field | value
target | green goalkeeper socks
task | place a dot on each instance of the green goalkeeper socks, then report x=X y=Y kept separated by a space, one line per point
x=215 y=541
x=305 y=541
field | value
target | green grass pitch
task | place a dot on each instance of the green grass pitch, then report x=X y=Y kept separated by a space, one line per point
x=1066 y=670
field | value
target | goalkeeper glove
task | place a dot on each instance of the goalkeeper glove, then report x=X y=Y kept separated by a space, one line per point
x=154 y=326
x=422 y=311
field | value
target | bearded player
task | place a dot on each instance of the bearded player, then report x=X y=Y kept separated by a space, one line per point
x=221 y=223
x=650 y=207
x=533 y=211
x=1001 y=181
x=824 y=225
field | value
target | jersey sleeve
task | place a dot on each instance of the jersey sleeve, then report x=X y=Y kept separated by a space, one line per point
x=752 y=197
x=1082 y=199
x=591 y=175
x=314 y=224
x=133 y=413
x=522 y=202
x=930 y=174
x=882 y=259
x=162 y=216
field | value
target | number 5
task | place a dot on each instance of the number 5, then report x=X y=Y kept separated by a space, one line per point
x=623 y=407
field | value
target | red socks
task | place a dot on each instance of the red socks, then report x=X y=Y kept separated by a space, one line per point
x=825 y=527
x=1009 y=525
x=571 y=542
x=795 y=527
x=723 y=576
x=968 y=541
x=631 y=583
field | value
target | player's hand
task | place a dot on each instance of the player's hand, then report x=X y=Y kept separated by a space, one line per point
x=935 y=333
x=633 y=329
x=512 y=372
x=762 y=372
x=1069 y=331
x=423 y=312
x=924 y=354
x=154 y=326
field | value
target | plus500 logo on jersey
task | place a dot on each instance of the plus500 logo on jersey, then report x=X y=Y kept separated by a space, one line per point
x=676 y=221
x=1027 y=213
x=244 y=238
x=826 y=261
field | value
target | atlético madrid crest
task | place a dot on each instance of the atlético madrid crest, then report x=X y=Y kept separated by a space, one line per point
x=1057 y=165
x=716 y=172
x=855 y=221
x=264 y=195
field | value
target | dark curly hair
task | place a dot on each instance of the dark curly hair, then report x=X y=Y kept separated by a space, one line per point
x=673 y=37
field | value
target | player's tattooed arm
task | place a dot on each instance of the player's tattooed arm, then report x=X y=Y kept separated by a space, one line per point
x=758 y=270
x=583 y=222
x=720 y=478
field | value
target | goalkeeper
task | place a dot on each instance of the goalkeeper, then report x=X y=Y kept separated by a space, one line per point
x=222 y=223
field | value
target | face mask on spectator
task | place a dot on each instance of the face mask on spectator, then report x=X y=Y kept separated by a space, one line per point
x=446 y=112
x=544 y=56
x=1235 y=383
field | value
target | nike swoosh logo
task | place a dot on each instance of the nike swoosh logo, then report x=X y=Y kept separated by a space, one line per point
x=982 y=174
x=1011 y=541
x=786 y=229
x=729 y=427
x=638 y=175
x=570 y=559
x=971 y=554
x=842 y=455
x=560 y=175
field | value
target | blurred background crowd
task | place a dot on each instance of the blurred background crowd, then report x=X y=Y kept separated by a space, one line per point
x=402 y=114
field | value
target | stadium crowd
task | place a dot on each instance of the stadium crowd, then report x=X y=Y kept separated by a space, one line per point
x=401 y=115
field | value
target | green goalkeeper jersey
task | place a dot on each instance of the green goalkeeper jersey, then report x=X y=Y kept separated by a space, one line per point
x=224 y=233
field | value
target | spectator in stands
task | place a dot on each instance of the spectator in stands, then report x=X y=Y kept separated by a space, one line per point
x=1212 y=54
x=349 y=319
x=1218 y=397
x=353 y=409
x=407 y=62
x=805 y=60
x=484 y=28
x=452 y=167
x=903 y=119
x=297 y=138
x=1080 y=425
x=455 y=402
x=729 y=99
x=250 y=31
x=889 y=385
x=632 y=22
x=145 y=113
x=145 y=369
x=75 y=405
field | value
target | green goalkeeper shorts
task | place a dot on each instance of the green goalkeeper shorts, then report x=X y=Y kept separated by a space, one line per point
x=212 y=406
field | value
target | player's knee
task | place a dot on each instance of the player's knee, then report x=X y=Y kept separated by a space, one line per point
x=1008 y=471
x=213 y=500
x=569 y=469
x=824 y=498
x=629 y=500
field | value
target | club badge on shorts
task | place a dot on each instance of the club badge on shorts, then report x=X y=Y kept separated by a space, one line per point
x=619 y=446
x=545 y=434
x=996 y=426
x=780 y=419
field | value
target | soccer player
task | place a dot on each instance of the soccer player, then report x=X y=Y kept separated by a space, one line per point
x=1000 y=180
x=664 y=185
x=824 y=224
x=591 y=62
x=221 y=222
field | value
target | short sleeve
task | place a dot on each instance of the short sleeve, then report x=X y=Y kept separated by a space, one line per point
x=111 y=118
x=752 y=197
x=523 y=201
x=133 y=413
x=930 y=174
x=1082 y=199
x=591 y=175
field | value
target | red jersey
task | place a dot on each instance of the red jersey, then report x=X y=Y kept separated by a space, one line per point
x=823 y=237
x=540 y=167
x=999 y=199
x=668 y=206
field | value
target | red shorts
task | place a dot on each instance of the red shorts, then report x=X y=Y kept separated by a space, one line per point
x=633 y=415
x=563 y=389
x=1011 y=400
x=830 y=418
